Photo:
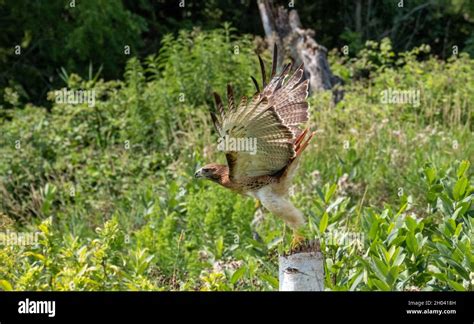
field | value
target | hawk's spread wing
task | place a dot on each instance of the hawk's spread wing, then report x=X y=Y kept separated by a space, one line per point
x=271 y=118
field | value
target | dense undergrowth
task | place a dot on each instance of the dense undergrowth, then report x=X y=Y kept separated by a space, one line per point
x=387 y=188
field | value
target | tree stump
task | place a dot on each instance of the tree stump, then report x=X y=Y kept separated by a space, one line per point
x=284 y=28
x=302 y=270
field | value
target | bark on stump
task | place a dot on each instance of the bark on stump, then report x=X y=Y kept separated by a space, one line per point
x=301 y=271
x=284 y=28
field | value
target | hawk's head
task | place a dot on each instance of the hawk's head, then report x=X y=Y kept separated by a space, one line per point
x=213 y=172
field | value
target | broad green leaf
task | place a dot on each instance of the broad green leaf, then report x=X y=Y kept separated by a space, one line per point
x=238 y=274
x=324 y=222
x=447 y=203
x=335 y=204
x=421 y=240
x=440 y=276
x=357 y=279
x=219 y=247
x=389 y=254
x=463 y=167
x=460 y=188
x=458 y=230
x=390 y=228
x=329 y=193
x=392 y=275
x=442 y=248
x=412 y=243
x=5 y=285
x=36 y=255
x=456 y=213
x=374 y=229
x=270 y=279
x=456 y=285
x=398 y=240
x=410 y=223
x=430 y=175
x=399 y=259
x=459 y=268
x=320 y=193
x=381 y=285
x=402 y=209
x=451 y=225
x=437 y=188
x=380 y=267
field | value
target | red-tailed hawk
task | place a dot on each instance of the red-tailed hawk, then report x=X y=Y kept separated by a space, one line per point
x=263 y=142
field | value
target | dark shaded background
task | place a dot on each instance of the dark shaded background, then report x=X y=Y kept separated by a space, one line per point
x=57 y=38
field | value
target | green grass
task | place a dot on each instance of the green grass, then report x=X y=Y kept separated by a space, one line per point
x=111 y=189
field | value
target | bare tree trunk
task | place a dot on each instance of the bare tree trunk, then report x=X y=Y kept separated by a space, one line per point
x=264 y=8
x=285 y=29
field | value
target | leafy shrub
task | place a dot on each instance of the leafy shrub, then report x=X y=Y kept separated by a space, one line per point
x=110 y=188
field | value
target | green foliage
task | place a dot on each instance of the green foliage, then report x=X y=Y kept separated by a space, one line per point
x=109 y=188
x=63 y=34
x=74 y=34
x=444 y=88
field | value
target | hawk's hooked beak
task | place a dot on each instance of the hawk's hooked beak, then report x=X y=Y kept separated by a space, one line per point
x=198 y=174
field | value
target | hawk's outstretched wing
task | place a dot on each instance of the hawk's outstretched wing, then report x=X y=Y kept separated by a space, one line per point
x=271 y=118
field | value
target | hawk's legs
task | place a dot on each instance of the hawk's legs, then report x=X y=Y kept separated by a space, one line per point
x=257 y=220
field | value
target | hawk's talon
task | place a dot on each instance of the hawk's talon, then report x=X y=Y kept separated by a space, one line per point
x=258 y=204
x=297 y=241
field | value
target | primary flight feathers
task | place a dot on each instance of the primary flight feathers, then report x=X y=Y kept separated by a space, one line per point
x=272 y=117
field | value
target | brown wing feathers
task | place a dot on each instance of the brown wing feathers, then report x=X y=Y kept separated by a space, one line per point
x=302 y=142
x=289 y=99
x=230 y=97
x=272 y=116
x=262 y=68
x=256 y=84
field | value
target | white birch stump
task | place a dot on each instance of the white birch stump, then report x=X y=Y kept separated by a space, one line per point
x=301 y=272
